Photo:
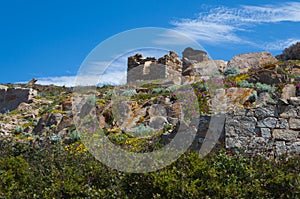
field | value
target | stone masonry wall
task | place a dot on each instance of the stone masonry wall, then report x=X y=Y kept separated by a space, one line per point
x=10 y=98
x=272 y=130
x=145 y=69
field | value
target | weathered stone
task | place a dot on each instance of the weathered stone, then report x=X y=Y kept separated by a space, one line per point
x=269 y=122
x=54 y=119
x=233 y=98
x=40 y=125
x=251 y=60
x=286 y=135
x=289 y=112
x=157 y=110
x=258 y=143
x=280 y=148
x=282 y=123
x=10 y=98
x=167 y=68
x=158 y=122
x=265 y=132
x=233 y=143
x=264 y=112
x=221 y=64
x=294 y=123
x=241 y=126
x=121 y=112
x=195 y=55
x=295 y=148
x=32 y=82
x=263 y=98
x=205 y=68
x=67 y=105
x=288 y=91
x=175 y=110
x=295 y=101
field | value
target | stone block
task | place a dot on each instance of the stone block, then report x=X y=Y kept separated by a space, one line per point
x=286 y=135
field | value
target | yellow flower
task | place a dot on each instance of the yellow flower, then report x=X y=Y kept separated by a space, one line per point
x=241 y=77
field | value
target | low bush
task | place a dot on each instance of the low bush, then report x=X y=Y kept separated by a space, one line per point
x=54 y=171
x=231 y=71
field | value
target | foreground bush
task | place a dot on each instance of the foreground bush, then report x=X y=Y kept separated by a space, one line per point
x=56 y=171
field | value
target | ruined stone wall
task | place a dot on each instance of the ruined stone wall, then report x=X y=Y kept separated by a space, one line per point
x=10 y=98
x=272 y=130
x=144 y=69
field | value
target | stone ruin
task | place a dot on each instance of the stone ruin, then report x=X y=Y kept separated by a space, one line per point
x=10 y=98
x=146 y=69
x=169 y=67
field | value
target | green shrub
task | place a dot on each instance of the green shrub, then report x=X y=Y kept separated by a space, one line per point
x=264 y=87
x=110 y=93
x=260 y=87
x=129 y=93
x=158 y=90
x=15 y=178
x=18 y=130
x=231 y=71
x=92 y=99
x=143 y=131
x=245 y=84
x=53 y=171
x=73 y=137
x=173 y=88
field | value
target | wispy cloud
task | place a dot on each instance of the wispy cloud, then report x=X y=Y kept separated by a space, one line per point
x=225 y=25
x=114 y=78
x=280 y=44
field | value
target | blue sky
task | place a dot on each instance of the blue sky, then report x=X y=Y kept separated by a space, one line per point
x=49 y=40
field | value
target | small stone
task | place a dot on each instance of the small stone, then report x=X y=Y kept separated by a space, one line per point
x=288 y=91
x=294 y=101
x=295 y=148
x=294 y=123
x=263 y=112
x=233 y=143
x=263 y=98
x=158 y=122
x=282 y=123
x=157 y=110
x=265 y=132
x=280 y=147
x=289 y=112
x=269 y=122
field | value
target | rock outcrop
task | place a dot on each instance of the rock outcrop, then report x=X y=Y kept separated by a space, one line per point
x=290 y=53
x=251 y=60
x=195 y=55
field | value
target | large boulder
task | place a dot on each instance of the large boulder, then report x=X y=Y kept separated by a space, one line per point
x=290 y=53
x=231 y=98
x=195 y=55
x=251 y=60
x=204 y=68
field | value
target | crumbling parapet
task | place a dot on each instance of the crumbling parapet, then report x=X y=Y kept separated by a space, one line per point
x=168 y=67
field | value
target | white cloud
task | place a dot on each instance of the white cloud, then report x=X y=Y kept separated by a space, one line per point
x=114 y=78
x=279 y=44
x=223 y=24
x=207 y=31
